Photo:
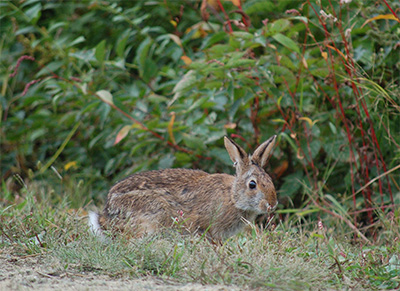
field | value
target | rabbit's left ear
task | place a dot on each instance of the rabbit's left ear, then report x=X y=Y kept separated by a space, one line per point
x=237 y=154
x=262 y=153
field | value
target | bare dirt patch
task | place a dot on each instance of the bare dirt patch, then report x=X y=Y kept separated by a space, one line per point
x=36 y=273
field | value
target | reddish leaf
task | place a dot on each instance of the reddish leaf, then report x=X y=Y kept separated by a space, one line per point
x=122 y=133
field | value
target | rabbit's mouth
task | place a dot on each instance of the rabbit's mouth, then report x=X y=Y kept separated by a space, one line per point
x=265 y=207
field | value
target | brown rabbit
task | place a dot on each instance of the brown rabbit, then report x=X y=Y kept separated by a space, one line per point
x=217 y=203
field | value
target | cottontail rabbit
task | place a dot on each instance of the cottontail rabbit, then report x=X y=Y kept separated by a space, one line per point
x=217 y=203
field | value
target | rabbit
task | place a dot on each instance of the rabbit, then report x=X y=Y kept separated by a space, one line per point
x=219 y=204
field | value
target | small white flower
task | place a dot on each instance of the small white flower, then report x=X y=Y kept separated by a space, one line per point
x=323 y=14
x=327 y=16
x=320 y=225
x=347 y=33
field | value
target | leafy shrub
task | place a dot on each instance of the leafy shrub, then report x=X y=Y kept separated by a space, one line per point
x=120 y=87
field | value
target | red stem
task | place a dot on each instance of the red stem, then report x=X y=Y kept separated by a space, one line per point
x=352 y=158
x=243 y=18
x=348 y=63
x=226 y=15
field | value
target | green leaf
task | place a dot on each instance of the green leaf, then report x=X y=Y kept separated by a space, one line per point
x=257 y=7
x=85 y=56
x=121 y=46
x=183 y=157
x=21 y=205
x=106 y=96
x=79 y=39
x=109 y=165
x=142 y=54
x=278 y=26
x=33 y=14
x=175 y=39
x=193 y=142
x=232 y=63
x=282 y=74
x=57 y=25
x=96 y=139
x=337 y=148
x=333 y=128
x=220 y=50
x=320 y=72
x=216 y=37
x=221 y=155
x=150 y=70
x=301 y=18
x=292 y=184
x=166 y=161
x=315 y=147
x=187 y=81
x=287 y=42
x=37 y=133
x=100 y=51
x=26 y=30
x=49 y=68
x=197 y=104
x=242 y=35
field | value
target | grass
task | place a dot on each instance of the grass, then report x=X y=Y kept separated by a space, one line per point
x=290 y=256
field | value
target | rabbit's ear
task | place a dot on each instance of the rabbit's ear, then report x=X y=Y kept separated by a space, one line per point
x=237 y=154
x=262 y=153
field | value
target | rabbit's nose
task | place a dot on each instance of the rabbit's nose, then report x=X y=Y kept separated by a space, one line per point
x=272 y=208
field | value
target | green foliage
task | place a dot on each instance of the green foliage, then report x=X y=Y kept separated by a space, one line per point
x=118 y=87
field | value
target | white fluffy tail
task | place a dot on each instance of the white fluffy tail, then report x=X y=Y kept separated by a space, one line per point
x=94 y=224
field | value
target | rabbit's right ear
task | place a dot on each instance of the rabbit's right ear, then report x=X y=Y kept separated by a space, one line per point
x=262 y=153
x=238 y=155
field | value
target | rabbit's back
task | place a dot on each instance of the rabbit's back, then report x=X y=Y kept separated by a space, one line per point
x=159 y=179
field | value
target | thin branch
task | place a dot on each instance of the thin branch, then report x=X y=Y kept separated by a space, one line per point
x=377 y=178
x=348 y=222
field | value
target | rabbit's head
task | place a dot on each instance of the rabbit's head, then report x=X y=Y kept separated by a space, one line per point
x=253 y=189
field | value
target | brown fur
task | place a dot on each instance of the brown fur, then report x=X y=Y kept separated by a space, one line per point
x=148 y=202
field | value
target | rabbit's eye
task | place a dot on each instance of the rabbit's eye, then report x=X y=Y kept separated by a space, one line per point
x=252 y=184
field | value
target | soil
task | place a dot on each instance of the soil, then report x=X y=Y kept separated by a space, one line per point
x=35 y=273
